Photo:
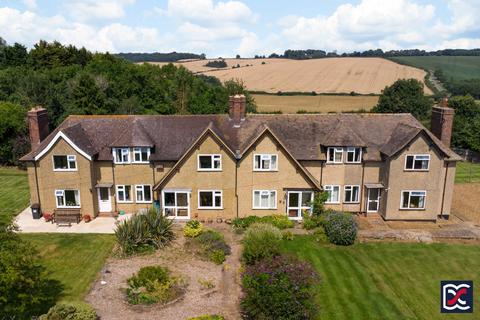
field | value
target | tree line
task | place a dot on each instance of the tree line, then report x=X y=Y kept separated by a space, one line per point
x=160 y=57
x=68 y=80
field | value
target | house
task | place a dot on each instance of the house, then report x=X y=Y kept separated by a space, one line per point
x=235 y=165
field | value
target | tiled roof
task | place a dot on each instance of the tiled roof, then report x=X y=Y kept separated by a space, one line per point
x=301 y=134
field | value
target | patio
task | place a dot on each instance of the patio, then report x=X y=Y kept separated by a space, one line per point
x=27 y=224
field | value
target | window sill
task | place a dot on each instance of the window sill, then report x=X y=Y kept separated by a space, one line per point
x=209 y=170
x=142 y=202
x=416 y=170
x=333 y=162
x=122 y=162
x=65 y=170
x=68 y=207
x=210 y=208
x=412 y=209
x=140 y=162
x=124 y=201
x=356 y=202
x=264 y=208
x=259 y=170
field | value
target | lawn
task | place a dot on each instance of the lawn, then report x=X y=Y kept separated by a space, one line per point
x=455 y=67
x=467 y=172
x=385 y=280
x=14 y=193
x=72 y=259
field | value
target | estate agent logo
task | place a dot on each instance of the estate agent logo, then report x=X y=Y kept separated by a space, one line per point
x=456 y=296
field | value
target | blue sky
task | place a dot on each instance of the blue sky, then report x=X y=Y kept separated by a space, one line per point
x=225 y=28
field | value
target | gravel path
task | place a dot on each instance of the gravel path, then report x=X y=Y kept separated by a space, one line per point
x=109 y=300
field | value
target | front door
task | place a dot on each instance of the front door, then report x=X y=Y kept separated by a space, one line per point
x=373 y=199
x=299 y=202
x=104 y=201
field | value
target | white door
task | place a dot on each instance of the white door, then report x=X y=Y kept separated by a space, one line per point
x=104 y=201
x=373 y=199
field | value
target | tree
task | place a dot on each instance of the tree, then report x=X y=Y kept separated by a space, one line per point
x=87 y=98
x=25 y=290
x=236 y=86
x=466 y=122
x=318 y=204
x=12 y=128
x=404 y=96
x=237 y=56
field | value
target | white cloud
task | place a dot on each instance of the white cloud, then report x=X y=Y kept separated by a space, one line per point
x=30 y=4
x=93 y=9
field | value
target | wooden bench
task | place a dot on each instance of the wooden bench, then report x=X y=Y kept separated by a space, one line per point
x=66 y=216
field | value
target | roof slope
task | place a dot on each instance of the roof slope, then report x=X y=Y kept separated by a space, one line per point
x=301 y=134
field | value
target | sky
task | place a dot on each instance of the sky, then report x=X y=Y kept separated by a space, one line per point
x=247 y=27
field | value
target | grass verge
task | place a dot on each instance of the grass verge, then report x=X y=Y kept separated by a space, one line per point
x=384 y=280
x=72 y=259
x=14 y=193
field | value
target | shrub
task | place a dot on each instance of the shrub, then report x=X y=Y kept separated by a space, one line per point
x=340 y=228
x=144 y=232
x=287 y=235
x=192 y=229
x=277 y=220
x=261 y=241
x=211 y=245
x=153 y=284
x=70 y=311
x=278 y=288
x=206 y=283
x=319 y=234
x=241 y=224
x=312 y=222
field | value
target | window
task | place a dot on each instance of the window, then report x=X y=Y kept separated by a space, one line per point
x=176 y=204
x=209 y=162
x=333 y=194
x=417 y=162
x=67 y=198
x=121 y=155
x=65 y=163
x=413 y=199
x=352 y=194
x=264 y=199
x=143 y=193
x=265 y=162
x=334 y=155
x=354 y=155
x=141 y=155
x=210 y=199
x=123 y=193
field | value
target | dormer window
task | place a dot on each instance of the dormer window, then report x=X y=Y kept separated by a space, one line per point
x=334 y=155
x=354 y=155
x=417 y=162
x=141 y=155
x=121 y=155
x=65 y=163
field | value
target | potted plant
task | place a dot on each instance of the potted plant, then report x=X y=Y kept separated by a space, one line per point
x=87 y=218
x=47 y=216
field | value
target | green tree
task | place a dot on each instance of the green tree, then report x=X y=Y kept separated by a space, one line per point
x=236 y=86
x=318 y=204
x=404 y=96
x=12 y=128
x=87 y=98
x=466 y=122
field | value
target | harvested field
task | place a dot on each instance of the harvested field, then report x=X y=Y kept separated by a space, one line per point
x=318 y=103
x=329 y=75
x=465 y=201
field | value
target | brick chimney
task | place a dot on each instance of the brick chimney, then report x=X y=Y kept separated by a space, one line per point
x=37 y=125
x=442 y=122
x=237 y=108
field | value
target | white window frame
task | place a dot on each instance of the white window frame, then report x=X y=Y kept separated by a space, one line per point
x=299 y=208
x=353 y=149
x=61 y=193
x=213 y=158
x=141 y=188
x=176 y=207
x=139 y=151
x=409 y=196
x=265 y=156
x=214 y=193
x=415 y=159
x=70 y=158
x=123 y=187
x=334 y=150
x=269 y=201
x=332 y=186
x=351 y=187
x=124 y=151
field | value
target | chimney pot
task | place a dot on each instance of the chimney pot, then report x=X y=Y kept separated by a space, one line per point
x=237 y=108
x=442 y=122
x=37 y=125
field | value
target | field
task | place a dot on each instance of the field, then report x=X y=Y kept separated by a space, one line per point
x=318 y=103
x=384 y=280
x=14 y=193
x=467 y=172
x=72 y=259
x=329 y=75
x=456 y=67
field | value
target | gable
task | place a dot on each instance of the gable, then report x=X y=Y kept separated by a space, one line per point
x=60 y=136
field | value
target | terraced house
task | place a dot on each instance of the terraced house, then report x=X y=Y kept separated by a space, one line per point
x=224 y=166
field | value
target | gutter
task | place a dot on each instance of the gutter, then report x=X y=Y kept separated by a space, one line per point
x=36 y=183
x=444 y=186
